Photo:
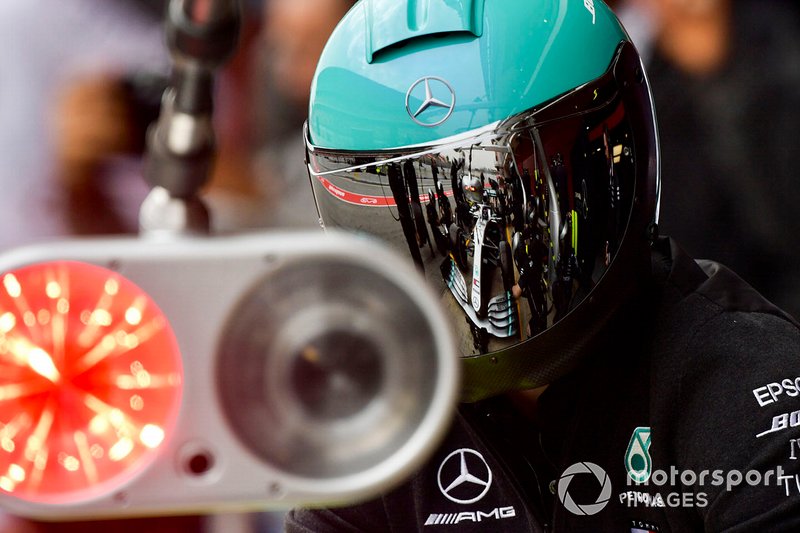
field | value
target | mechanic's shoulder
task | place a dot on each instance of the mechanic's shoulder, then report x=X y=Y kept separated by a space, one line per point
x=738 y=324
x=701 y=300
x=712 y=327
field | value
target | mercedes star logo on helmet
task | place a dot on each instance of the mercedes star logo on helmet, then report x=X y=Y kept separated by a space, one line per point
x=438 y=101
x=587 y=508
x=464 y=476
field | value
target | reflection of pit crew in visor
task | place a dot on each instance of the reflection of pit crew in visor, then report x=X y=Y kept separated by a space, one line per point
x=543 y=248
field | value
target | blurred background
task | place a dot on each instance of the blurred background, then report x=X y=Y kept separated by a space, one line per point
x=725 y=76
x=80 y=80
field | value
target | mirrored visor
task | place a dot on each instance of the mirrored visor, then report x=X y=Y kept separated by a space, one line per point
x=515 y=223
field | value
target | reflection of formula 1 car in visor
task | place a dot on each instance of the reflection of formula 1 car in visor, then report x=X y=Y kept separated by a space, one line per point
x=480 y=234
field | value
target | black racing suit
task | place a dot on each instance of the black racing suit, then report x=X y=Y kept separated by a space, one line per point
x=688 y=420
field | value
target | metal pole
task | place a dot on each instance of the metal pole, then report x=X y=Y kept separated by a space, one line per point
x=201 y=35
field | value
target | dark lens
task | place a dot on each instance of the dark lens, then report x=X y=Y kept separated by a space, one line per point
x=325 y=367
x=337 y=374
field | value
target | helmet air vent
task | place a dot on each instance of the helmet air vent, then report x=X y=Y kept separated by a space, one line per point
x=418 y=18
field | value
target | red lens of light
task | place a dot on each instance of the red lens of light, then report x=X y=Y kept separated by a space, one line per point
x=90 y=381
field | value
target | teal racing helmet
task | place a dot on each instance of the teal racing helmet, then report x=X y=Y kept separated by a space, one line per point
x=509 y=149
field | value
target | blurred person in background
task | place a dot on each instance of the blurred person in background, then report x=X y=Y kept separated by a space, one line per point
x=262 y=97
x=46 y=46
x=295 y=33
x=726 y=82
x=102 y=119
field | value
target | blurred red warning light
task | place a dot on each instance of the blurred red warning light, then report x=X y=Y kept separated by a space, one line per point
x=90 y=381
